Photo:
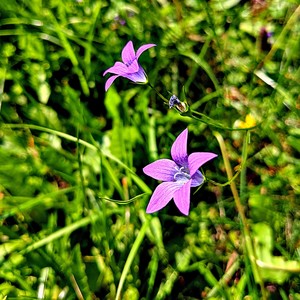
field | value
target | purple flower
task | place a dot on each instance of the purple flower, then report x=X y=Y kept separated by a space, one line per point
x=178 y=175
x=130 y=67
x=174 y=101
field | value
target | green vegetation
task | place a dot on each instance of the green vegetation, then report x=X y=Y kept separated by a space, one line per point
x=72 y=191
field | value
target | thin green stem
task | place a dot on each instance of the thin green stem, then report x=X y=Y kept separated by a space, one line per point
x=210 y=122
x=97 y=148
x=227 y=182
x=67 y=230
x=158 y=93
x=199 y=116
x=135 y=247
x=241 y=210
x=243 y=186
x=223 y=281
x=71 y=54
x=80 y=165
x=27 y=203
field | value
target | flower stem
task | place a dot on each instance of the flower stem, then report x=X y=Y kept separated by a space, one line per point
x=187 y=112
x=132 y=254
x=240 y=207
x=211 y=122
x=158 y=93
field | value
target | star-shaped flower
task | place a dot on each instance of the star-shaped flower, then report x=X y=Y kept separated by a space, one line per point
x=129 y=68
x=178 y=176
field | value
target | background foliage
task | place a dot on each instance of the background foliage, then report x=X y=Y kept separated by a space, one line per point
x=72 y=190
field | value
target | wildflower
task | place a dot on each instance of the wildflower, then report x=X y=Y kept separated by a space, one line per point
x=250 y=121
x=178 y=176
x=174 y=101
x=130 y=67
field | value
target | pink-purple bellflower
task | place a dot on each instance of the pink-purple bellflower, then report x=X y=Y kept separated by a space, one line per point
x=178 y=176
x=129 y=68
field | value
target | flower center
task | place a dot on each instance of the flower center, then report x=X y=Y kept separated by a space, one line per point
x=182 y=173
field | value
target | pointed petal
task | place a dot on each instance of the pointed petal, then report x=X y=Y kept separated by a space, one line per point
x=139 y=76
x=179 y=149
x=197 y=159
x=182 y=198
x=118 y=68
x=133 y=67
x=162 y=196
x=143 y=48
x=197 y=179
x=109 y=81
x=128 y=53
x=162 y=169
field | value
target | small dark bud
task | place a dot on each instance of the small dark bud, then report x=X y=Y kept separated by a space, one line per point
x=174 y=101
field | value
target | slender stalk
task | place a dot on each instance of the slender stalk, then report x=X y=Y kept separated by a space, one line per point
x=199 y=116
x=224 y=280
x=210 y=122
x=158 y=93
x=95 y=147
x=244 y=168
x=60 y=233
x=240 y=208
x=135 y=247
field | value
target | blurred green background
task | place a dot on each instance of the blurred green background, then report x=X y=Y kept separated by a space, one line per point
x=72 y=191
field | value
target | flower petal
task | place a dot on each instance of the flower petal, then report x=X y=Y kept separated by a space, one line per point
x=197 y=179
x=109 y=81
x=162 y=196
x=142 y=49
x=197 y=159
x=133 y=67
x=139 y=76
x=118 y=68
x=179 y=149
x=182 y=198
x=162 y=169
x=128 y=53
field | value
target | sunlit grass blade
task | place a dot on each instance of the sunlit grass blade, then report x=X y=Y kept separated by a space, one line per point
x=133 y=252
x=60 y=233
x=124 y=201
x=69 y=137
x=10 y=206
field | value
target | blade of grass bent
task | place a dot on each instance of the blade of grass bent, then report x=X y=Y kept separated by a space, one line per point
x=59 y=233
x=71 y=138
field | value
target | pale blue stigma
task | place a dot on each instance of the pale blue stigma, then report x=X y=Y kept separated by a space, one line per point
x=182 y=174
x=173 y=101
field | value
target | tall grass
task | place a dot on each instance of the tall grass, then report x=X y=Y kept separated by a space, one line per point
x=73 y=194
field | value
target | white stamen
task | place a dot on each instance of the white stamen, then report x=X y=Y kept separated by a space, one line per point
x=182 y=174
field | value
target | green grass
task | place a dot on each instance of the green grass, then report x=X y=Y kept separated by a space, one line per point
x=72 y=192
